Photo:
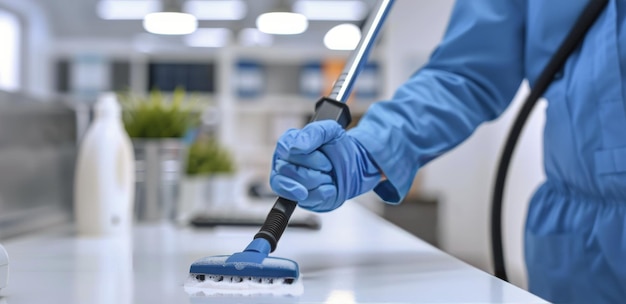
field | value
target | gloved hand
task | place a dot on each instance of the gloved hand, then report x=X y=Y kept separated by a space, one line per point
x=321 y=166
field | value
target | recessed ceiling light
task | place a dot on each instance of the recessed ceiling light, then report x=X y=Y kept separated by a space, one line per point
x=282 y=23
x=170 y=23
x=348 y=10
x=282 y=20
x=216 y=9
x=343 y=37
x=126 y=10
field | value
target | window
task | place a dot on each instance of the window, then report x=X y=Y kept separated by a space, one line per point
x=193 y=77
x=9 y=52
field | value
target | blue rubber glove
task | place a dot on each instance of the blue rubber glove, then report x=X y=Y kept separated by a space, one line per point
x=321 y=166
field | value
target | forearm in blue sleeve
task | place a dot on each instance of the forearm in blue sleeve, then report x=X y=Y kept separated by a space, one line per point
x=470 y=78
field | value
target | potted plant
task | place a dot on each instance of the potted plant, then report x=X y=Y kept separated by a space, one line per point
x=157 y=116
x=206 y=157
x=157 y=125
x=210 y=178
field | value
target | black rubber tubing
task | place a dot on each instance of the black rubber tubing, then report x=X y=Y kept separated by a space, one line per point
x=571 y=42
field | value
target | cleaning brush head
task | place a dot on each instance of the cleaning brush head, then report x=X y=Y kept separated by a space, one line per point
x=247 y=272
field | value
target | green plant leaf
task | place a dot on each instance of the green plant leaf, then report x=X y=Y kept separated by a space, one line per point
x=207 y=156
x=155 y=116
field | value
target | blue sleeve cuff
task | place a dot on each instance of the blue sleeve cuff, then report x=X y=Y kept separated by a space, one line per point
x=387 y=192
x=399 y=177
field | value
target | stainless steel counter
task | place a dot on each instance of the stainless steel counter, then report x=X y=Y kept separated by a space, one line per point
x=356 y=257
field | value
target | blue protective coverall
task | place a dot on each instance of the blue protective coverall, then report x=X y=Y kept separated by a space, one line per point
x=575 y=236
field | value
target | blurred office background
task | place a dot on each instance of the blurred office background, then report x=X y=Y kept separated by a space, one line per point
x=250 y=86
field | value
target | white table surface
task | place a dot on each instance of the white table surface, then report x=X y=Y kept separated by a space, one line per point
x=357 y=257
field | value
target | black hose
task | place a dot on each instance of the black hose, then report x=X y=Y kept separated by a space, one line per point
x=573 y=39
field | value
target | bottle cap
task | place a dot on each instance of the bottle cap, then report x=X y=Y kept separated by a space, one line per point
x=107 y=105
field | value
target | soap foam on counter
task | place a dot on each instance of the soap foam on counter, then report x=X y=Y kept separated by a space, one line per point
x=247 y=286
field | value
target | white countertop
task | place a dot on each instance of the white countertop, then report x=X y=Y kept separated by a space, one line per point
x=357 y=257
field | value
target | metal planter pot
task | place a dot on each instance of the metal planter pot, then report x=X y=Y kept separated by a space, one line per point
x=159 y=165
x=207 y=193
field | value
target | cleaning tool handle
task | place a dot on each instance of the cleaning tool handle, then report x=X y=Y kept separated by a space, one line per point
x=343 y=86
x=278 y=217
x=329 y=108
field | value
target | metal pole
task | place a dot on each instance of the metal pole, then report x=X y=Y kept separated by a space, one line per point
x=343 y=86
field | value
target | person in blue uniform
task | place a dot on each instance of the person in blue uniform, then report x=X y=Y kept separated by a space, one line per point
x=575 y=234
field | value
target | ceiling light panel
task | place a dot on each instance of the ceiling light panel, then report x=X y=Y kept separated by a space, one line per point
x=282 y=23
x=126 y=9
x=216 y=9
x=170 y=23
x=348 y=10
x=209 y=37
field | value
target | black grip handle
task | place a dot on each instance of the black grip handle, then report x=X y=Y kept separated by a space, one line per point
x=327 y=108
x=276 y=221
x=278 y=217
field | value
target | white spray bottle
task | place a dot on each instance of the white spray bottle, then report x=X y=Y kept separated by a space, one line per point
x=104 y=186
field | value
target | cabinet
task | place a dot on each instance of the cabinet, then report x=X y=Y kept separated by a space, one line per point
x=257 y=93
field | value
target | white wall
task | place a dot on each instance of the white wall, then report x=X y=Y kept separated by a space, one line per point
x=462 y=179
